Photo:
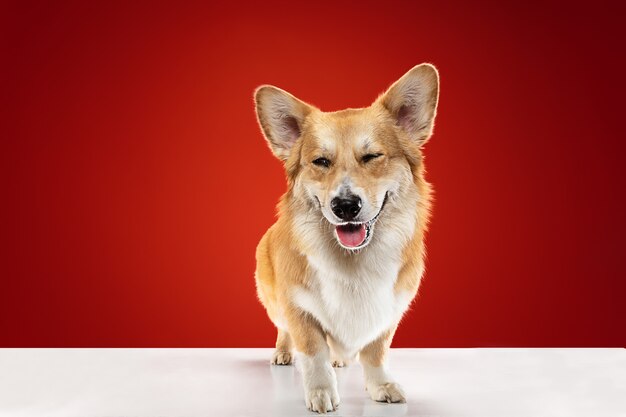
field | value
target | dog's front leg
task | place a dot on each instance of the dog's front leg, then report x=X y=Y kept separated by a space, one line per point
x=318 y=375
x=378 y=382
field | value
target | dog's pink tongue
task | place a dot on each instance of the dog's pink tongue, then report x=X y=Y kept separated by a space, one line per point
x=351 y=235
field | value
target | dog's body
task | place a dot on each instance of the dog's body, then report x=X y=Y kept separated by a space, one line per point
x=344 y=260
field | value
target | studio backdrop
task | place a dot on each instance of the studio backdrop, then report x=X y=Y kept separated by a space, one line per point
x=136 y=182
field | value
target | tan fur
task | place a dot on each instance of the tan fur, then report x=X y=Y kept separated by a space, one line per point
x=374 y=353
x=298 y=134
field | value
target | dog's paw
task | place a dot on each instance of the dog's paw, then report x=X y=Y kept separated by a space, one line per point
x=280 y=357
x=338 y=363
x=322 y=400
x=390 y=392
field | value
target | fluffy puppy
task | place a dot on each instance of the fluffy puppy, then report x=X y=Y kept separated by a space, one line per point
x=344 y=260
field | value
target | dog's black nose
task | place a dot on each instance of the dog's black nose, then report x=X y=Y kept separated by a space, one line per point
x=346 y=208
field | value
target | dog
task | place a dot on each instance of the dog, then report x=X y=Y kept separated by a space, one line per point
x=344 y=260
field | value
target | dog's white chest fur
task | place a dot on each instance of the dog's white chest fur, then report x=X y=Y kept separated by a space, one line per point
x=355 y=305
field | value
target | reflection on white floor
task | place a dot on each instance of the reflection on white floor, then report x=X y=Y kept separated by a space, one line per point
x=240 y=382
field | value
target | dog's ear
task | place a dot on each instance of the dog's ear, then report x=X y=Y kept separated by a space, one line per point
x=281 y=117
x=412 y=101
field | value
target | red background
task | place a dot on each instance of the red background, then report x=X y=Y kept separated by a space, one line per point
x=136 y=184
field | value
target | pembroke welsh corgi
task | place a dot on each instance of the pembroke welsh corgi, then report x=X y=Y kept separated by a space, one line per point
x=344 y=260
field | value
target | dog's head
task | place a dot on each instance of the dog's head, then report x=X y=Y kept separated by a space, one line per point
x=352 y=163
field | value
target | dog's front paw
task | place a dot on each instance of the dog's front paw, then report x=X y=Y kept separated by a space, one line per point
x=390 y=392
x=338 y=363
x=322 y=400
x=281 y=357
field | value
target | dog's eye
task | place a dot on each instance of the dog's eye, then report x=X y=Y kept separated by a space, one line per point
x=322 y=162
x=370 y=156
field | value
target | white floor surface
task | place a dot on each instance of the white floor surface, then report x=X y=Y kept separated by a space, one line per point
x=240 y=382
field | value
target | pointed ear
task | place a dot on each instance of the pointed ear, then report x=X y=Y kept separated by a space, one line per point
x=412 y=101
x=281 y=117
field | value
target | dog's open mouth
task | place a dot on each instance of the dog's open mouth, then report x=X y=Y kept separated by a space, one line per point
x=357 y=235
x=352 y=235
